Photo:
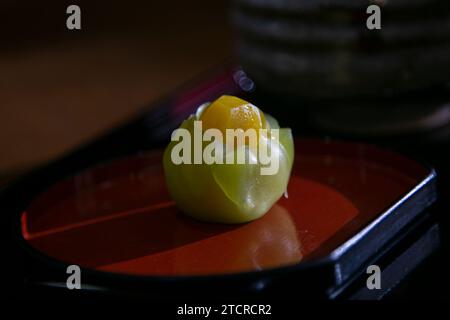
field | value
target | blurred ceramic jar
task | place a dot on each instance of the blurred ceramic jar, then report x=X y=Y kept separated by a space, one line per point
x=322 y=49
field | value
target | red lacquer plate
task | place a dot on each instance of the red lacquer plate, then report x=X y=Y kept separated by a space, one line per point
x=118 y=216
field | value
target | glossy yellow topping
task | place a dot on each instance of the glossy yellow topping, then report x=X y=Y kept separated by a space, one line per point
x=230 y=112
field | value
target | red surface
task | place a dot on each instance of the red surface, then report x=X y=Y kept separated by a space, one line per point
x=119 y=216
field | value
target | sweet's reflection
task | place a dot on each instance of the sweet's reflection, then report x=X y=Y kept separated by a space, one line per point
x=267 y=242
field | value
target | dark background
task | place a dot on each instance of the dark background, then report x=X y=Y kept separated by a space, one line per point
x=61 y=88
